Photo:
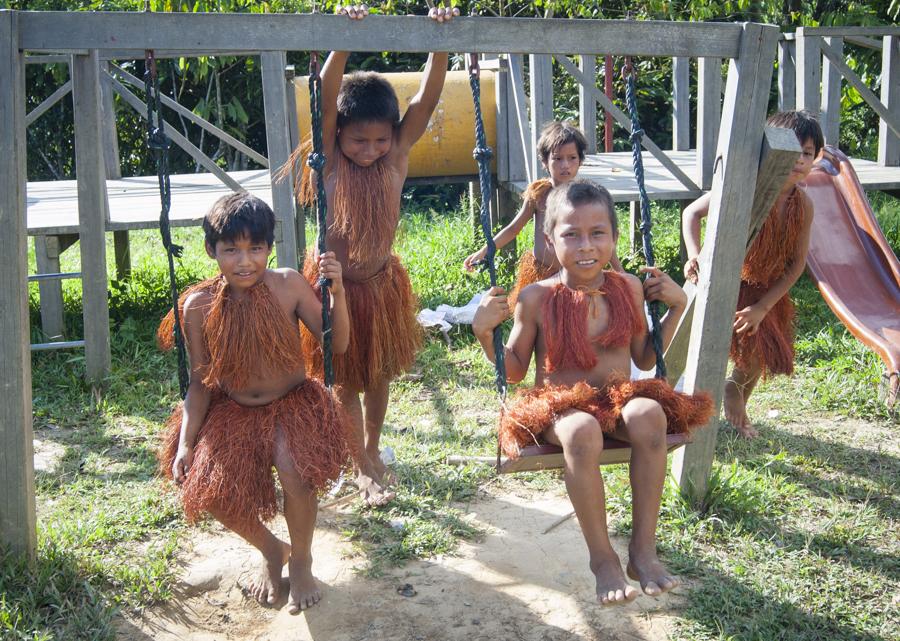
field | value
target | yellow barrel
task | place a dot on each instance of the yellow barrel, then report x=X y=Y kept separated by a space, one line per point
x=445 y=149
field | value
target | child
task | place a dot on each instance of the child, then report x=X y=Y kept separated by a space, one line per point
x=763 y=338
x=367 y=147
x=250 y=406
x=584 y=325
x=561 y=148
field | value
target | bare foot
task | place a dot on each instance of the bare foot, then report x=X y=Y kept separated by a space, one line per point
x=265 y=588
x=372 y=492
x=305 y=592
x=654 y=578
x=736 y=410
x=612 y=588
x=383 y=472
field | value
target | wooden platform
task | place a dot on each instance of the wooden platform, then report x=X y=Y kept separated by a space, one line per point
x=614 y=171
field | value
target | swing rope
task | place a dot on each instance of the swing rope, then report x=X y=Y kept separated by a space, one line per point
x=483 y=154
x=646 y=226
x=159 y=143
x=316 y=161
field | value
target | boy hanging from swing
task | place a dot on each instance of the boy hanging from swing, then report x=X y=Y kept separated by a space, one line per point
x=763 y=340
x=584 y=325
x=249 y=405
x=367 y=146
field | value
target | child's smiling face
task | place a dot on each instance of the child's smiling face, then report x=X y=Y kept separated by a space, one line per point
x=242 y=261
x=365 y=142
x=584 y=239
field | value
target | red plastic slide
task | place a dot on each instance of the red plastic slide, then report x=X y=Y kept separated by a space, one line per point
x=852 y=263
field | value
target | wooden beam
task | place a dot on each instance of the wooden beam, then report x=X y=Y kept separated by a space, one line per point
x=882 y=30
x=109 y=133
x=57 y=31
x=709 y=113
x=17 y=505
x=587 y=106
x=681 y=103
x=224 y=136
x=863 y=41
x=122 y=250
x=138 y=105
x=540 y=80
x=808 y=59
x=890 y=119
x=92 y=213
x=830 y=116
x=278 y=148
x=625 y=122
x=779 y=153
x=677 y=352
x=51 y=100
x=889 y=141
x=740 y=137
x=46 y=258
x=787 y=76
x=520 y=121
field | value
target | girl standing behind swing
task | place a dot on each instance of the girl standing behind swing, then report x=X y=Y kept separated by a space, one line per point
x=561 y=148
x=584 y=325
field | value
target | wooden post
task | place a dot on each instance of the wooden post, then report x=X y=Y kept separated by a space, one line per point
x=809 y=71
x=46 y=257
x=787 y=75
x=709 y=112
x=737 y=162
x=17 y=505
x=888 y=141
x=278 y=146
x=92 y=212
x=519 y=135
x=830 y=119
x=587 y=106
x=540 y=76
x=681 y=103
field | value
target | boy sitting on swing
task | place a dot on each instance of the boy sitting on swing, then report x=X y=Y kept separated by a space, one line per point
x=561 y=148
x=367 y=146
x=250 y=406
x=584 y=325
x=763 y=340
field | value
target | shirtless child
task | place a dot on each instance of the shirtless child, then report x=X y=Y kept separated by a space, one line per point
x=584 y=325
x=763 y=339
x=250 y=406
x=367 y=146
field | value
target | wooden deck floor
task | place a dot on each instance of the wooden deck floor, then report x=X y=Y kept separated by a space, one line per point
x=134 y=202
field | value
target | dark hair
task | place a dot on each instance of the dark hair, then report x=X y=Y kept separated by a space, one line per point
x=238 y=215
x=366 y=96
x=558 y=133
x=804 y=125
x=577 y=193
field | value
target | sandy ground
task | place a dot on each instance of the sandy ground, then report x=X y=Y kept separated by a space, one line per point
x=514 y=584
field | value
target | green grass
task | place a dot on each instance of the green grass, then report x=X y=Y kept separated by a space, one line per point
x=797 y=537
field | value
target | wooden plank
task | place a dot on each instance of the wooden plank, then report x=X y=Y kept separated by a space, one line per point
x=224 y=136
x=740 y=137
x=787 y=76
x=17 y=505
x=540 y=80
x=625 y=122
x=521 y=125
x=830 y=118
x=808 y=59
x=709 y=112
x=681 y=104
x=278 y=147
x=92 y=213
x=109 y=133
x=122 y=249
x=51 y=100
x=890 y=119
x=587 y=106
x=676 y=356
x=138 y=105
x=888 y=141
x=863 y=41
x=46 y=255
x=881 y=30
x=61 y=31
x=780 y=151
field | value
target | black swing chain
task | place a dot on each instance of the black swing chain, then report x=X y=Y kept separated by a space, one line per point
x=159 y=143
x=483 y=154
x=646 y=225
x=316 y=161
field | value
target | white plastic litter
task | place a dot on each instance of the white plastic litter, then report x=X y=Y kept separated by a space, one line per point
x=387 y=455
x=445 y=316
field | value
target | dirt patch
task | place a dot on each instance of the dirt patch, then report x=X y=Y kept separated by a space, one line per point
x=516 y=583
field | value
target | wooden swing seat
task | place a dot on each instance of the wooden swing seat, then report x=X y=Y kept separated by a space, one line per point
x=550 y=457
